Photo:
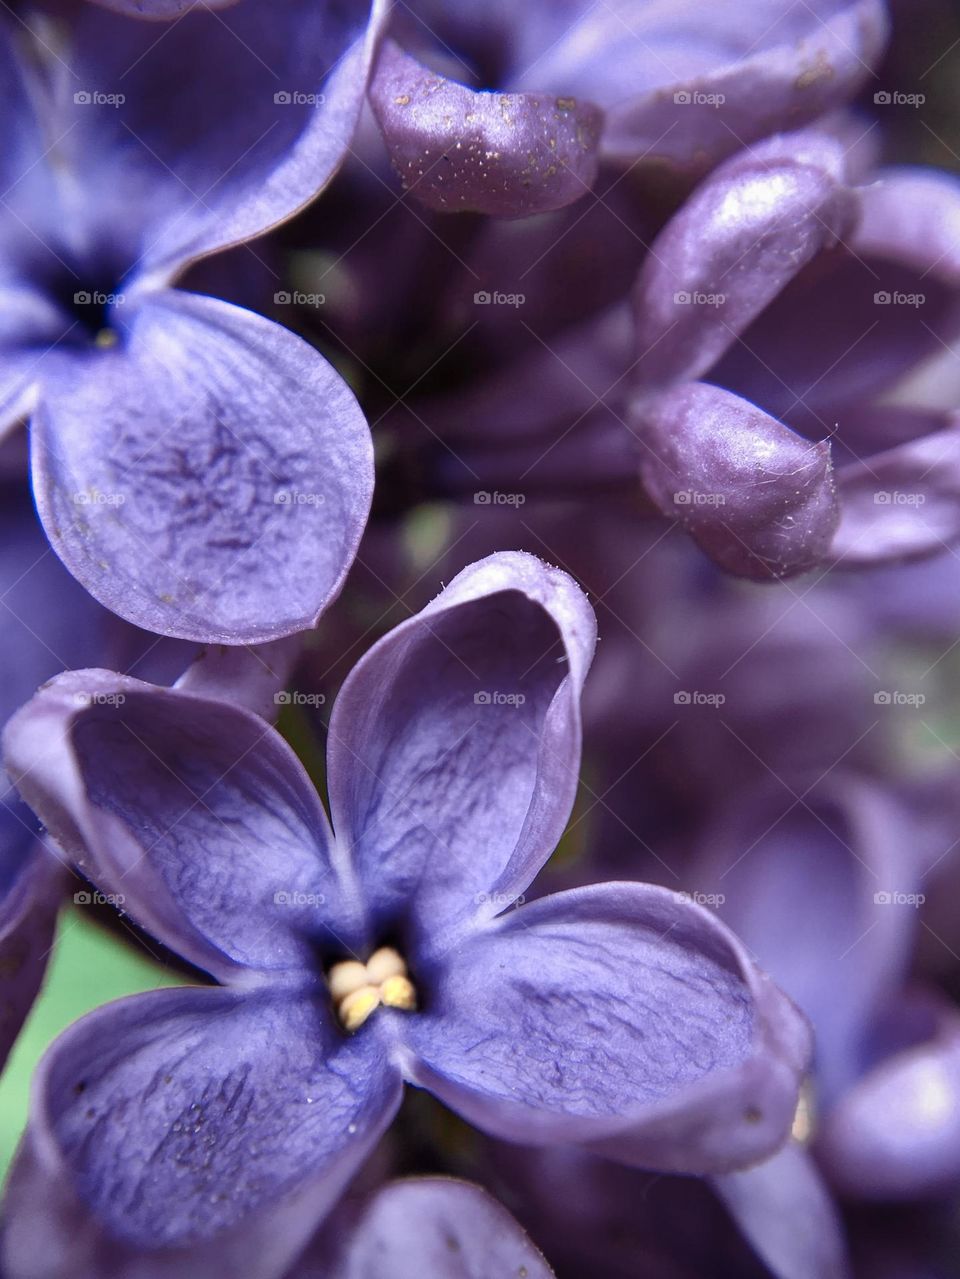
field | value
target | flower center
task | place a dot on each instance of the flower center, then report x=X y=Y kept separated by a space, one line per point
x=357 y=989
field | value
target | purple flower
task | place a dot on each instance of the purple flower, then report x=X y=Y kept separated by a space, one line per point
x=222 y=1122
x=200 y=470
x=531 y=98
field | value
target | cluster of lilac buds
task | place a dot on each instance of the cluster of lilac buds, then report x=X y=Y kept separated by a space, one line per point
x=480 y=603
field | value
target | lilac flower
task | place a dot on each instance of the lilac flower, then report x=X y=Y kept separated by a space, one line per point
x=424 y=1226
x=200 y=470
x=540 y=94
x=222 y=1122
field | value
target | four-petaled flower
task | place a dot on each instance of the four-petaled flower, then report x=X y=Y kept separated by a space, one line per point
x=222 y=1122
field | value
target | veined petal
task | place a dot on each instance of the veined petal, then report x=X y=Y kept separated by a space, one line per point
x=618 y=1016
x=209 y=479
x=196 y=815
x=268 y=94
x=455 y=743
x=186 y=1131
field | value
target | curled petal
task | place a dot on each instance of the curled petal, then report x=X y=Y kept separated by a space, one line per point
x=621 y=1017
x=190 y=1132
x=498 y=153
x=901 y=504
x=759 y=499
x=196 y=815
x=230 y=512
x=455 y=743
x=735 y=244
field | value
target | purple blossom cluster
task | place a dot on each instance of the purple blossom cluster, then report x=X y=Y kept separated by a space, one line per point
x=478 y=566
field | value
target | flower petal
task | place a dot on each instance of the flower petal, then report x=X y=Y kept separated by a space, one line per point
x=901 y=504
x=268 y=96
x=496 y=153
x=784 y=1209
x=689 y=84
x=434 y=1226
x=232 y=510
x=734 y=245
x=811 y=887
x=680 y=83
x=195 y=814
x=618 y=1016
x=455 y=743
x=759 y=499
x=189 y=1132
x=31 y=881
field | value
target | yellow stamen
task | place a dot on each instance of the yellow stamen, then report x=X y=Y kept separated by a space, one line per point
x=398 y=992
x=357 y=1007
